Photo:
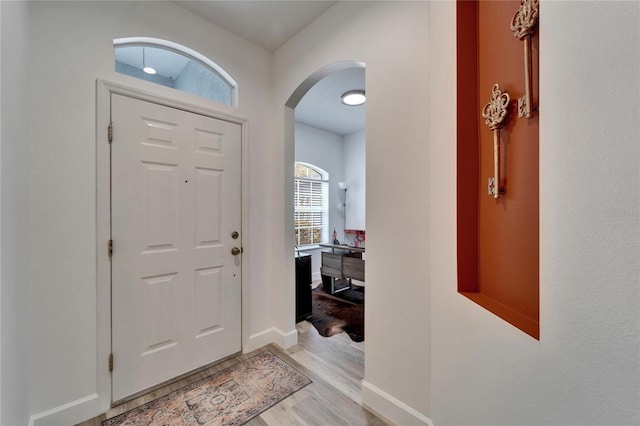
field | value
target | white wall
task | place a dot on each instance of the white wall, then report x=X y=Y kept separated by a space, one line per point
x=14 y=225
x=49 y=180
x=391 y=38
x=585 y=368
x=323 y=149
x=355 y=175
x=0 y=217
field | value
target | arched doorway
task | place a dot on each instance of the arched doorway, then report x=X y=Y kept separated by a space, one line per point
x=292 y=108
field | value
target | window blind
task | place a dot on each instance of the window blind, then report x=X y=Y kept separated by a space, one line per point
x=311 y=217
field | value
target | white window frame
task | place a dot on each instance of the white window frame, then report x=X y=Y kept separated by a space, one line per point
x=323 y=210
x=185 y=51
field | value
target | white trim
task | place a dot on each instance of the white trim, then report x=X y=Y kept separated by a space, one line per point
x=390 y=408
x=1 y=233
x=272 y=335
x=103 y=235
x=185 y=102
x=286 y=339
x=149 y=41
x=72 y=412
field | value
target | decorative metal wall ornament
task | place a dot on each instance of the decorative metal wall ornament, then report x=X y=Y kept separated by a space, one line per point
x=522 y=26
x=494 y=114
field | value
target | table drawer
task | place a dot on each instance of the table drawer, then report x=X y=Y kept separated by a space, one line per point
x=353 y=268
x=331 y=264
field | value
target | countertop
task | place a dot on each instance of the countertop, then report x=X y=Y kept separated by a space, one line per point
x=343 y=247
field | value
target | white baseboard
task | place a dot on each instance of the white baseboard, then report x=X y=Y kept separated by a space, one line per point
x=316 y=276
x=70 y=413
x=390 y=408
x=272 y=335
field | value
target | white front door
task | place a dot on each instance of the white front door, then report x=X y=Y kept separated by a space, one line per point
x=176 y=206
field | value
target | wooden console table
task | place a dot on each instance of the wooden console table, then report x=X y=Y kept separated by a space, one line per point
x=342 y=262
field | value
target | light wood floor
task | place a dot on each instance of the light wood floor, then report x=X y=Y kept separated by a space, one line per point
x=334 y=364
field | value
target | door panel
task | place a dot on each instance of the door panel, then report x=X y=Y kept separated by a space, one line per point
x=176 y=193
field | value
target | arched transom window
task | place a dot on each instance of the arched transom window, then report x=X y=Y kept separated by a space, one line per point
x=172 y=65
x=311 y=201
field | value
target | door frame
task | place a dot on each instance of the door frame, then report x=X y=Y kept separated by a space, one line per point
x=148 y=92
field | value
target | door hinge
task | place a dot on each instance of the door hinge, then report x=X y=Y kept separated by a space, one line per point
x=111 y=361
x=110 y=248
x=110 y=132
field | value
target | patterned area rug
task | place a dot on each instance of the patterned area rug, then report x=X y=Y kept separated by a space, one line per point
x=229 y=397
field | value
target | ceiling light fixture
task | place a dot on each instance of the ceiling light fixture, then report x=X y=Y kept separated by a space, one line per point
x=354 y=97
x=145 y=68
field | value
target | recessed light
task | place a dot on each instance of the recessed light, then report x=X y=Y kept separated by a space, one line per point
x=145 y=68
x=354 y=97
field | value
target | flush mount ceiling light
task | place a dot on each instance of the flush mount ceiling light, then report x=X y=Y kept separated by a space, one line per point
x=145 y=68
x=354 y=98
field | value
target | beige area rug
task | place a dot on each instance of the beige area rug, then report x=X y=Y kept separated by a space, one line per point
x=229 y=397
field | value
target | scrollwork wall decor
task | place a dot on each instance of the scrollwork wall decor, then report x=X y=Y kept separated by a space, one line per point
x=498 y=238
x=522 y=25
x=494 y=113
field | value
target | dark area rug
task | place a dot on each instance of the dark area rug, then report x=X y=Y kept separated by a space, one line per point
x=232 y=396
x=343 y=311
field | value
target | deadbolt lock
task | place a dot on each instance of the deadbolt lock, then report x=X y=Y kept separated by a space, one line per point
x=235 y=251
x=235 y=235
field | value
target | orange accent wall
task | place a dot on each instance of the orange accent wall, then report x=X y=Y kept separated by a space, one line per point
x=498 y=240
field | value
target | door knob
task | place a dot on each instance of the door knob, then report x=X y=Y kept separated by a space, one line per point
x=235 y=251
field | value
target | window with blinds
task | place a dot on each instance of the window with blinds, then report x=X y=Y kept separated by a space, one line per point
x=311 y=201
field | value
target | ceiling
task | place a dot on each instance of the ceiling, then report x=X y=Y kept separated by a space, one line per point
x=322 y=107
x=266 y=23
x=271 y=24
